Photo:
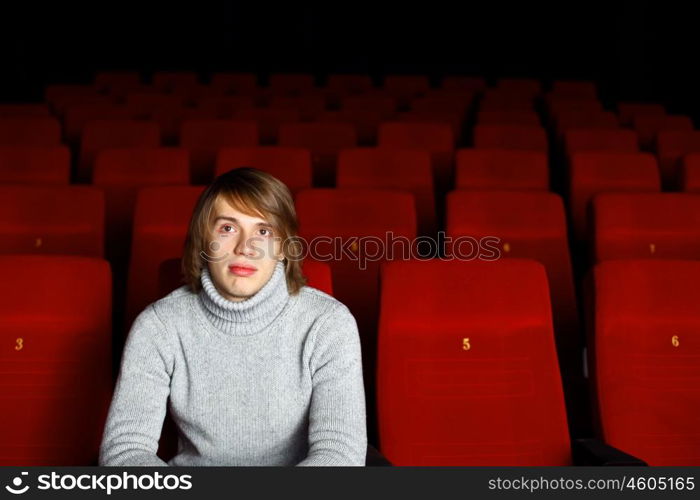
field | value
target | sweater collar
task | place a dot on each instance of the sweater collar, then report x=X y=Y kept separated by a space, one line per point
x=248 y=316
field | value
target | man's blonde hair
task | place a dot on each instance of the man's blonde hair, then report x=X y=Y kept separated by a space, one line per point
x=254 y=193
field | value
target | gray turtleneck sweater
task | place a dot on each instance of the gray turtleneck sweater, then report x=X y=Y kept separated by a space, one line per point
x=275 y=379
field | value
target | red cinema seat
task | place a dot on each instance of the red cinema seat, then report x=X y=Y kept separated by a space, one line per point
x=522 y=137
x=522 y=224
x=111 y=134
x=234 y=83
x=161 y=220
x=290 y=165
x=458 y=104
x=269 y=120
x=51 y=220
x=528 y=118
x=629 y=110
x=34 y=165
x=204 y=139
x=469 y=83
x=324 y=141
x=579 y=139
x=291 y=84
x=56 y=368
x=671 y=147
x=347 y=84
x=467 y=369
x=166 y=81
x=144 y=104
x=365 y=121
x=574 y=89
x=557 y=104
x=646 y=226
x=25 y=110
x=452 y=118
x=120 y=173
x=648 y=126
x=595 y=172
x=355 y=218
x=387 y=168
x=501 y=169
x=437 y=138
x=690 y=179
x=645 y=354
x=30 y=131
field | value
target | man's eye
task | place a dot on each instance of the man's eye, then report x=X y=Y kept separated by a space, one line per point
x=227 y=228
x=265 y=232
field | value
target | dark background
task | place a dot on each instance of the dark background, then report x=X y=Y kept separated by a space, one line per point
x=635 y=49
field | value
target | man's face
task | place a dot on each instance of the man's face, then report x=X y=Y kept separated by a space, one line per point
x=242 y=252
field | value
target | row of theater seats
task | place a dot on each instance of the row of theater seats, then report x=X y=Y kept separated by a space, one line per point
x=467 y=369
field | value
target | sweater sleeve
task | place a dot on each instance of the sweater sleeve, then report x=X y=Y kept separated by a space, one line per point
x=138 y=406
x=337 y=415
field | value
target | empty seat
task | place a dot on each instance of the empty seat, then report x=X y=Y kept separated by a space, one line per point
x=30 y=131
x=120 y=173
x=579 y=139
x=452 y=118
x=501 y=169
x=646 y=225
x=324 y=140
x=671 y=147
x=291 y=84
x=55 y=371
x=117 y=83
x=458 y=104
x=290 y=165
x=594 y=172
x=389 y=168
x=520 y=137
x=646 y=358
x=110 y=134
x=648 y=126
x=26 y=109
x=690 y=178
x=59 y=97
x=51 y=220
x=467 y=369
x=204 y=138
x=225 y=107
x=34 y=165
x=498 y=100
x=269 y=120
x=522 y=224
x=161 y=220
x=437 y=138
x=629 y=110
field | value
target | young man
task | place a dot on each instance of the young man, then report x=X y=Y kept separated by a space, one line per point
x=256 y=367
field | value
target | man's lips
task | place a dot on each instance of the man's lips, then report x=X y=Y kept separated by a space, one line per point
x=242 y=269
